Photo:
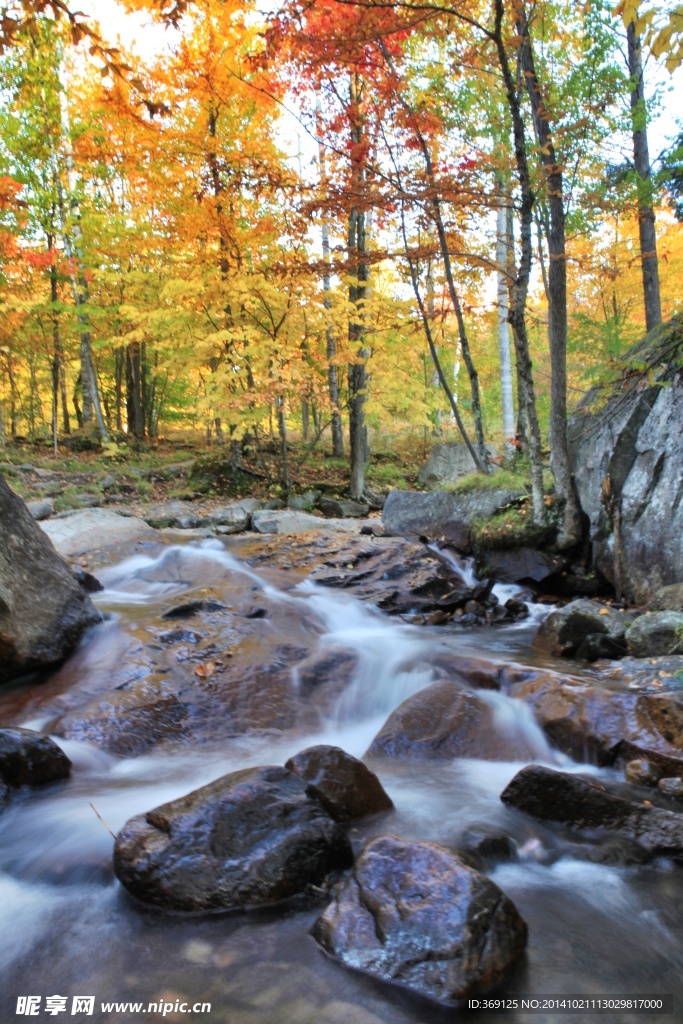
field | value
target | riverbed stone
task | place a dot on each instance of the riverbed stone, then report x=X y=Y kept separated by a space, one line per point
x=414 y=914
x=656 y=634
x=43 y=610
x=444 y=515
x=126 y=722
x=444 y=721
x=343 y=507
x=586 y=805
x=41 y=509
x=593 y=723
x=249 y=839
x=565 y=630
x=28 y=758
x=344 y=785
x=671 y=787
x=95 y=528
x=285 y=521
x=640 y=772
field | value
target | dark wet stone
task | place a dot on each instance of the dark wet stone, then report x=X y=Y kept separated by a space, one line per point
x=490 y=844
x=30 y=759
x=414 y=914
x=586 y=805
x=127 y=722
x=342 y=783
x=343 y=508
x=190 y=608
x=249 y=839
x=565 y=630
x=90 y=583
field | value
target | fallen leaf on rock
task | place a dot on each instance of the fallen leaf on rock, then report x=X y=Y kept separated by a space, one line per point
x=205 y=669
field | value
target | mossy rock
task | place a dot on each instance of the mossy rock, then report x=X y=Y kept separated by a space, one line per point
x=215 y=473
x=83 y=441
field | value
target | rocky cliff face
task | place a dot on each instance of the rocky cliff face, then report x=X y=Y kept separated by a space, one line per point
x=628 y=462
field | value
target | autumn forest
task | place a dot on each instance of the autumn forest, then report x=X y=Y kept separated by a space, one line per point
x=332 y=220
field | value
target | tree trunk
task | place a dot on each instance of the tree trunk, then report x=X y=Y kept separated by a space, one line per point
x=358 y=377
x=119 y=369
x=435 y=205
x=92 y=408
x=134 y=402
x=570 y=532
x=641 y=160
x=506 y=387
x=520 y=286
x=332 y=370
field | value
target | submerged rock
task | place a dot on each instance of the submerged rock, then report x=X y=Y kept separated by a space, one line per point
x=249 y=839
x=342 y=783
x=43 y=610
x=28 y=758
x=588 y=806
x=414 y=914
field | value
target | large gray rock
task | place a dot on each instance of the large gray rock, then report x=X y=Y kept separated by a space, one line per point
x=656 y=634
x=93 y=529
x=588 y=806
x=628 y=463
x=441 y=514
x=285 y=521
x=343 y=508
x=248 y=839
x=43 y=610
x=414 y=914
x=447 y=463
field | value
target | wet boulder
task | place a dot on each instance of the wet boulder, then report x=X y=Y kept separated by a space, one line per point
x=594 y=723
x=28 y=758
x=518 y=564
x=447 y=720
x=400 y=577
x=414 y=914
x=126 y=722
x=587 y=806
x=656 y=634
x=672 y=787
x=95 y=528
x=43 y=610
x=640 y=772
x=571 y=631
x=249 y=839
x=344 y=785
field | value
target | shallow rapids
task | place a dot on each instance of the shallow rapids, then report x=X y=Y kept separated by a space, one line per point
x=67 y=928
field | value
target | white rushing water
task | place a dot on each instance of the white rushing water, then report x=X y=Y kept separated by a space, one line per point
x=63 y=919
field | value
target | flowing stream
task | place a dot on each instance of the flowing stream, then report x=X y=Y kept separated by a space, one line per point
x=67 y=928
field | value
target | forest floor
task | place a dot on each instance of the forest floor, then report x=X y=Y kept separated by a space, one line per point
x=135 y=475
